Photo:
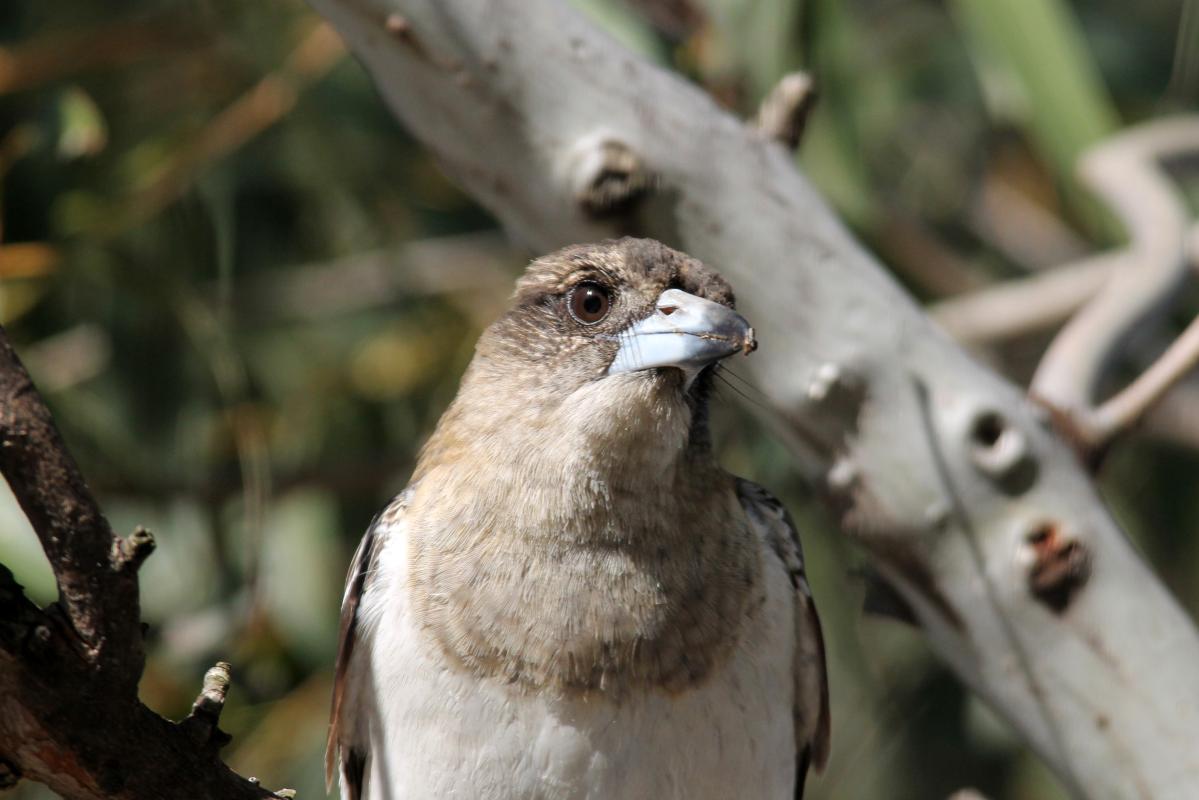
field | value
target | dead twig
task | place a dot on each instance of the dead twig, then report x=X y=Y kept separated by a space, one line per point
x=80 y=659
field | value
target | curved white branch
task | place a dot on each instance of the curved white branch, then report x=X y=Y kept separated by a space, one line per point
x=1025 y=305
x=1039 y=302
x=1044 y=300
x=1127 y=173
x=980 y=516
x=1127 y=407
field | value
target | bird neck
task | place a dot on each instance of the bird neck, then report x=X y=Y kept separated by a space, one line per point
x=554 y=462
x=573 y=546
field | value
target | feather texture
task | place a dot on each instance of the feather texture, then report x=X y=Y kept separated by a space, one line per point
x=573 y=599
x=412 y=715
x=812 y=719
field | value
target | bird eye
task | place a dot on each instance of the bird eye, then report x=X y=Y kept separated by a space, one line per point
x=589 y=303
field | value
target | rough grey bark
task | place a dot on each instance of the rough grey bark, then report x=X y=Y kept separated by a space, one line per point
x=69 y=712
x=954 y=483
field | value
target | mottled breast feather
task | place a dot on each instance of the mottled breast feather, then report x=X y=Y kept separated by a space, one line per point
x=362 y=566
x=812 y=725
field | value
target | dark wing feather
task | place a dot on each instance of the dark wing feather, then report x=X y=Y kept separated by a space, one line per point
x=811 y=676
x=362 y=566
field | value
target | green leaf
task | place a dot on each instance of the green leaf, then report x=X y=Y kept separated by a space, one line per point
x=1036 y=72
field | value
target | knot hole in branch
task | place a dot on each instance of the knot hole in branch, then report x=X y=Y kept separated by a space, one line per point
x=610 y=179
x=1061 y=565
x=1000 y=451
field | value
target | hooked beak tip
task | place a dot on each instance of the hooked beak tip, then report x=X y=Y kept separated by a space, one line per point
x=750 y=342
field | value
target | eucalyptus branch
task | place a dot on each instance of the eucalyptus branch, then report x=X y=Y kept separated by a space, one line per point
x=980 y=517
x=1116 y=291
x=1127 y=172
x=1099 y=426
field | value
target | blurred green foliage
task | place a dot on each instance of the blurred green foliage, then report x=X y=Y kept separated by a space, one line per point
x=247 y=295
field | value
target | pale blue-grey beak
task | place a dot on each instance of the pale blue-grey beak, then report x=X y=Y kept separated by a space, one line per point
x=684 y=331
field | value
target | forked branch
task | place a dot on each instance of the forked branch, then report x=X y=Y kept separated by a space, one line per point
x=980 y=518
x=69 y=712
x=1129 y=173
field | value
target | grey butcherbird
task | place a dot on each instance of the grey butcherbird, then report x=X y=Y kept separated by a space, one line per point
x=572 y=599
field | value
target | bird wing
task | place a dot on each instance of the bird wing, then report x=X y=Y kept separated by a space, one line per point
x=811 y=676
x=362 y=567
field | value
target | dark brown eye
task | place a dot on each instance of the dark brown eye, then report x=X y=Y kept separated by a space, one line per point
x=589 y=303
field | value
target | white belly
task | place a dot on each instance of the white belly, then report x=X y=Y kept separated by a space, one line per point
x=437 y=732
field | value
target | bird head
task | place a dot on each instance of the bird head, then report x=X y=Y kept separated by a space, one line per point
x=614 y=341
x=588 y=313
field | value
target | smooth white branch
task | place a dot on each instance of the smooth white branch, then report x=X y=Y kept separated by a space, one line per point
x=981 y=517
x=1045 y=300
x=1116 y=291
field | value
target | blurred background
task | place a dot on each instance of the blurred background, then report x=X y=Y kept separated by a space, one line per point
x=248 y=295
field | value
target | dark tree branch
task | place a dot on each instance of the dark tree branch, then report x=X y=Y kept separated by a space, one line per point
x=69 y=712
x=100 y=602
